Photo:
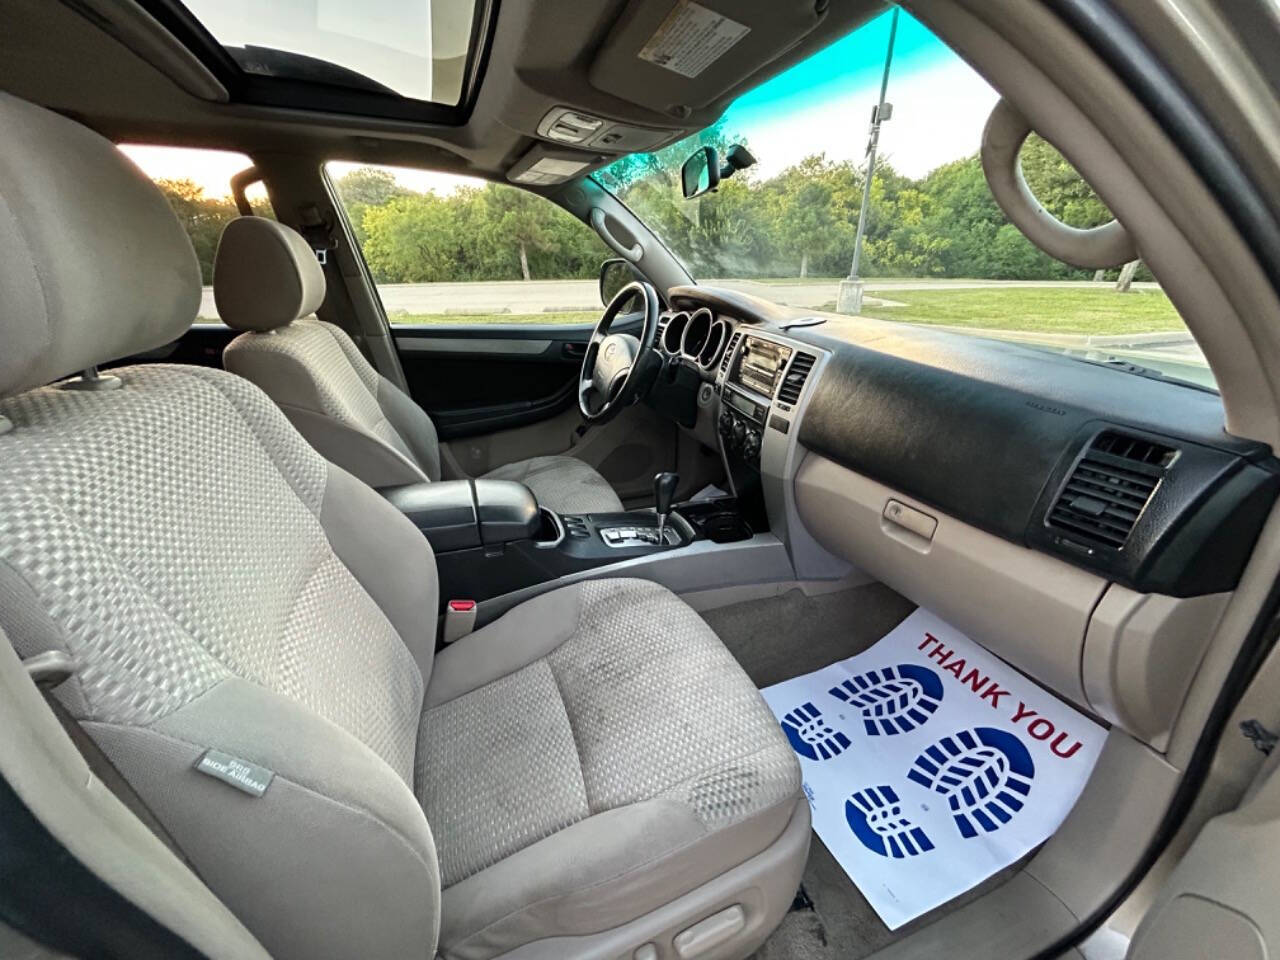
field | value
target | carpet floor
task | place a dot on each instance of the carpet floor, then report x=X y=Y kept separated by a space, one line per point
x=778 y=638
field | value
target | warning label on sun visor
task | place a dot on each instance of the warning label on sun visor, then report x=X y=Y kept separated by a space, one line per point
x=692 y=38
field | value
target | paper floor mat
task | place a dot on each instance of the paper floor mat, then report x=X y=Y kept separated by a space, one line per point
x=930 y=764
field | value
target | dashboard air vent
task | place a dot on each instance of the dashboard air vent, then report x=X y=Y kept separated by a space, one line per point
x=728 y=351
x=663 y=320
x=793 y=382
x=1109 y=488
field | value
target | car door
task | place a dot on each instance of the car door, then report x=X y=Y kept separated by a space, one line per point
x=1219 y=901
x=491 y=294
x=503 y=393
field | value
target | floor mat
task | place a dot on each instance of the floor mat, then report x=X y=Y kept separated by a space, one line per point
x=777 y=638
x=831 y=920
x=930 y=765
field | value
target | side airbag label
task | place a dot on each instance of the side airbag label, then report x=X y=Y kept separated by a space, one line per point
x=692 y=38
x=241 y=774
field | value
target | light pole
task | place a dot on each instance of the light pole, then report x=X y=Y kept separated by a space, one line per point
x=849 y=300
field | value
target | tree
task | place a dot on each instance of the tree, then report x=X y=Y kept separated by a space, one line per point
x=411 y=239
x=203 y=217
x=363 y=188
x=800 y=220
x=521 y=222
x=806 y=218
x=1058 y=186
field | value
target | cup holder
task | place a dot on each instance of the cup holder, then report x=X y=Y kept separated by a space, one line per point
x=550 y=531
x=725 y=528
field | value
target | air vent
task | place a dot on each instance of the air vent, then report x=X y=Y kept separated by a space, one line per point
x=797 y=374
x=728 y=353
x=1109 y=489
x=663 y=320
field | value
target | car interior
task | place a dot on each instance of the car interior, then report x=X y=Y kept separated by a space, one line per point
x=329 y=636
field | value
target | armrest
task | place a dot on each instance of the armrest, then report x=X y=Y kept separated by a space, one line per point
x=507 y=511
x=460 y=514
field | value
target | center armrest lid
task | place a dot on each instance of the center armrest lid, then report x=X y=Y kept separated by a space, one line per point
x=445 y=512
x=506 y=510
x=457 y=514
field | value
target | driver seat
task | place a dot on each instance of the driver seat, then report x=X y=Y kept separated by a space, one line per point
x=268 y=284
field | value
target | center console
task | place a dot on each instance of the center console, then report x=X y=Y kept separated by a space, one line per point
x=753 y=395
x=491 y=538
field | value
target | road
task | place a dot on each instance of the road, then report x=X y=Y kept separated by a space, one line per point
x=554 y=296
x=1176 y=353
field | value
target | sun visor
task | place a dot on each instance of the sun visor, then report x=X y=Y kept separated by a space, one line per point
x=678 y=57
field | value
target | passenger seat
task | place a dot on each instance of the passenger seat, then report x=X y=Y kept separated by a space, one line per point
x=267 y=283
x=253 y=637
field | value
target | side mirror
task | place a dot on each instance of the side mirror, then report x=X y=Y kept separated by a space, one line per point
x=700 y=173
x=614 y=275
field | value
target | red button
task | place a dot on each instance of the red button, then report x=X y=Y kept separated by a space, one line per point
x=462 y=606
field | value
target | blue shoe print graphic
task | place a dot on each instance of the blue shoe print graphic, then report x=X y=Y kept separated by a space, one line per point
x=875 y=817
x=984 y=773
x=810 y=735
x=892 y=700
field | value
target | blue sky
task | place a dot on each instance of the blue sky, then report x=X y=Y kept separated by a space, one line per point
x=855 y=62
x=824 y=103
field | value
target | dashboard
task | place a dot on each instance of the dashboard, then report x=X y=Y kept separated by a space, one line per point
x=741 y=371
x=698 y=338
x=1084 y=524
x=1131 y=478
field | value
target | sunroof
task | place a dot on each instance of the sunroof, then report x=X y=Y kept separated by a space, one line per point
x=417 y=49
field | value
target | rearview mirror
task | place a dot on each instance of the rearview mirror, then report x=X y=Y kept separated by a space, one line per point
x=703 y=171
x=700 y=173
x=614 y=275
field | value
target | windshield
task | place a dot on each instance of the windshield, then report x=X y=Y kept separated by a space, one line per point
x=936 y=249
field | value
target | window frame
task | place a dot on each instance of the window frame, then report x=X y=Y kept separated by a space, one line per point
x=249 y=88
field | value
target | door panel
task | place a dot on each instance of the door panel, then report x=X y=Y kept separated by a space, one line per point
x=477 y=385
x=474 y=379
x=1220 y=900
x=500 y=393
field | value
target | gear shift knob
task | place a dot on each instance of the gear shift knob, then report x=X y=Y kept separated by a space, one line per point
x=664 y=491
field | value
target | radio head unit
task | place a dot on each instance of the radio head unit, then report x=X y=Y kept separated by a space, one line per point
x=760 y=365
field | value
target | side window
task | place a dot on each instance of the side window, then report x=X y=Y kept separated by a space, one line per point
x=457 y=250
x=197 y=184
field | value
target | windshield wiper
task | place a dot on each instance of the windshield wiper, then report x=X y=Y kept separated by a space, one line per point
x=1151 y=373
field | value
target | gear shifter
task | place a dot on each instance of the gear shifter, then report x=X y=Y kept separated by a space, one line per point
x=664 y=491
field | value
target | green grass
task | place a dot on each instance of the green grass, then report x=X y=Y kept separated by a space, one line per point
x=1044 y=310
x=464 y=319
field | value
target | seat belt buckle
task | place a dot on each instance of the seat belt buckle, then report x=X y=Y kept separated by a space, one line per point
x=51 y=668
x=459 y=619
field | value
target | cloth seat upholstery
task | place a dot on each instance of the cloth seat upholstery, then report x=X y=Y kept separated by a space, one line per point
x=221 y=586
x=268 y=284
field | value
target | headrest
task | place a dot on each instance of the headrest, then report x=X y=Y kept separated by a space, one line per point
x=94 y=266
x=265 y=275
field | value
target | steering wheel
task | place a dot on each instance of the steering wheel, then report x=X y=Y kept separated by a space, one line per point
x=614 y=366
